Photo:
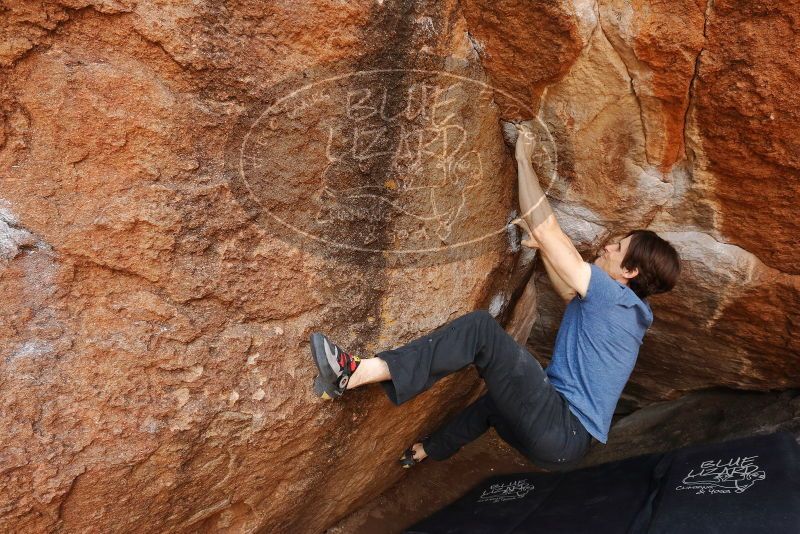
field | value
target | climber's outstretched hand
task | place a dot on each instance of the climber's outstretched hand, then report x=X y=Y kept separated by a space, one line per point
x=526 y=141
x=530 y=242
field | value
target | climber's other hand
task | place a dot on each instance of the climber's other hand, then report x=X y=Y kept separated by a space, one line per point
x=530 y=241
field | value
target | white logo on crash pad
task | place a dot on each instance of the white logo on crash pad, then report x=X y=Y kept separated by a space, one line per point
x=506 y=492
x=734 y=475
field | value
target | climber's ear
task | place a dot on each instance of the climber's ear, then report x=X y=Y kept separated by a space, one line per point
x=633 y=273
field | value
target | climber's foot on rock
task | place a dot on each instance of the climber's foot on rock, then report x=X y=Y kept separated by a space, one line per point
x=413 y=456
x=335 y=367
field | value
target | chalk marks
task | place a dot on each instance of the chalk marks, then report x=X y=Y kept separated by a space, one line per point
x=389 y=161
x=427 y=160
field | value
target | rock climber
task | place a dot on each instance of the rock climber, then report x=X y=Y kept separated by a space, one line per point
x=551 y=416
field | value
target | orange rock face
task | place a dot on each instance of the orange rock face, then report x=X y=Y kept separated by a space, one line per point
x=180 y=211
x=524 y=49
x=659 y=43
x=189 y=190
x=746 y=118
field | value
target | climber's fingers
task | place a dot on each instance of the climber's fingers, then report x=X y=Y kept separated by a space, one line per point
x=530 y=242
x=524 y=130
x=523 y=224
x=525 y=142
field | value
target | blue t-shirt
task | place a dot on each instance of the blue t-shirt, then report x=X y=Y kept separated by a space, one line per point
x=596 y=348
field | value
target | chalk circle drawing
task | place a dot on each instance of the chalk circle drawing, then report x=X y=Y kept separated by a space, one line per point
x=509 y=491
x=734 y=475
x=389 y=161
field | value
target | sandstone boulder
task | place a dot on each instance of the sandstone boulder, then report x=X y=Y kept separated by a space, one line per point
x=190 y=189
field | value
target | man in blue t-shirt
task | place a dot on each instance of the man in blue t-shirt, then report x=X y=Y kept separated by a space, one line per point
x=550 y=416
x=597 y=345
x=607 y=313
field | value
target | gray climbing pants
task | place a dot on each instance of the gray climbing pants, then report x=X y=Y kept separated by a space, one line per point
x=521 y=404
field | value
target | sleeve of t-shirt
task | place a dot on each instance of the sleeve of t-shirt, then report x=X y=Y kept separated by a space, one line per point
x=602 y=291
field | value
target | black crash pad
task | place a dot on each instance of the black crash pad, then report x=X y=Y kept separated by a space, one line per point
x=747 y=485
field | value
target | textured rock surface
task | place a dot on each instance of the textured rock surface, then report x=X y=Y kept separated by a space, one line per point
x=155 y=319
x=155 y=369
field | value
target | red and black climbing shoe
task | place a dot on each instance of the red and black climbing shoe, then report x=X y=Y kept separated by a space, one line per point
x=335 y=367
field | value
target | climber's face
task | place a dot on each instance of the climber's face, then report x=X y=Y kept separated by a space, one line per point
x=610 y=260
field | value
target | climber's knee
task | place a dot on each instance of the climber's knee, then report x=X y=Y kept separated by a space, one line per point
x=481 y=316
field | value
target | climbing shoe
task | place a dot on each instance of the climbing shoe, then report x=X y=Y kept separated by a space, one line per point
x=407 y=460
x=335 y=367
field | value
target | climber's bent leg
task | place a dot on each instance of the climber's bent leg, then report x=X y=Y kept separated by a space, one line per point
x=468 y=425
x=474 y=338
x=535 y=413
x=417 y=365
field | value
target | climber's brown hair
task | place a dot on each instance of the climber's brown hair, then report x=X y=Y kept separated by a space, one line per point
x=657 y=260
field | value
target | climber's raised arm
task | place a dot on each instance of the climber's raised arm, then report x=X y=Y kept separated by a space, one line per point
x=563 y=256
x=562 y=288
x=554 y=243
